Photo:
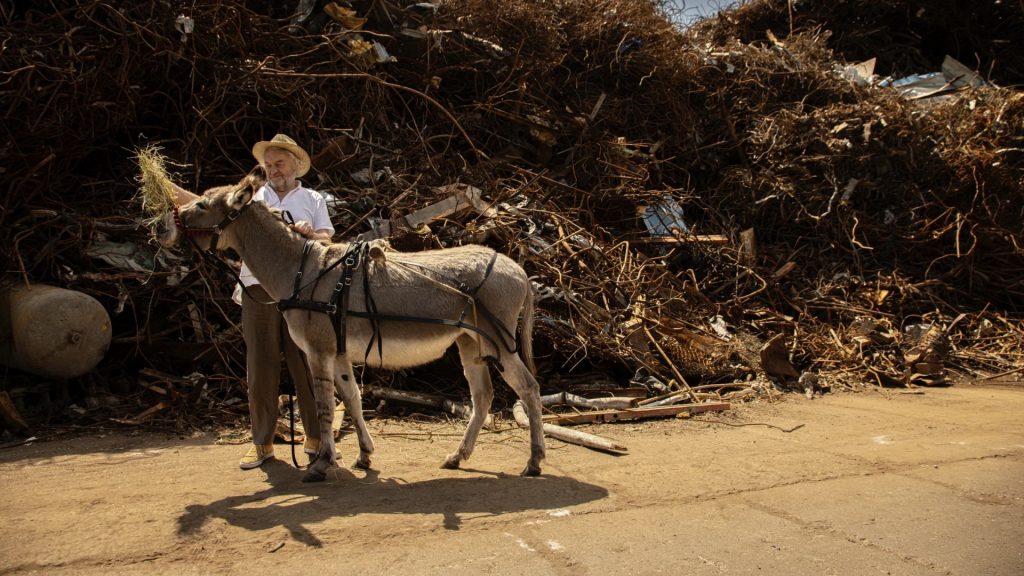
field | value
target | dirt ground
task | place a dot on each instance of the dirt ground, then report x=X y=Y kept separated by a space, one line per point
x=880 y=482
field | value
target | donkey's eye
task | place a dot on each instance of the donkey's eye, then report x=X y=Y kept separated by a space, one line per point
x=201 y=205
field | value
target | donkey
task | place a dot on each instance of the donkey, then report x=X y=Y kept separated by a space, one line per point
x=380 y=328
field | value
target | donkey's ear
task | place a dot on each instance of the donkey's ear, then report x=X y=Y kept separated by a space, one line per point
x=241 y=195
x=252 y=182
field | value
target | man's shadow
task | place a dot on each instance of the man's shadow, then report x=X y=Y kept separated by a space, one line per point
x=289 y=503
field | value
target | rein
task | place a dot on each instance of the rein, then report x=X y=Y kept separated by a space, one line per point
x=210 y=254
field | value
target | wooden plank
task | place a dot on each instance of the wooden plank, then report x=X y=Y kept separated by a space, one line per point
x=715 y=239
x=446 y=207
x=748 y=247
x=462 y=198
x=144 y=415
x=566 y=435
x=677 y=398
x=634 y=413
x=570 y=399
x=472 y=195
x=10 y=413
x=638 y=392
x=661 y=397
x=783 y=270
x=459 y=409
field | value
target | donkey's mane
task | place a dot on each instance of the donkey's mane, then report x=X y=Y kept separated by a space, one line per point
x=268 y=216
x=269 y=224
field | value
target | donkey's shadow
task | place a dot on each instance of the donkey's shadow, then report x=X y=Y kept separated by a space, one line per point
x=291 y=504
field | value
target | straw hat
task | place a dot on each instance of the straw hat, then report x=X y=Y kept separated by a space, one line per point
x=285 y=143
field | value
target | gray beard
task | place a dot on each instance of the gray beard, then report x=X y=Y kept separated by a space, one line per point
x=283 y=187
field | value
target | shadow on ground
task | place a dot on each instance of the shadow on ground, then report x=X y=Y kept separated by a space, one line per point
x=291 y=504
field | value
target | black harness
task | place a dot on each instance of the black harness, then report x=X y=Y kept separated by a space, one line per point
x=337 y=308
x=351 y=260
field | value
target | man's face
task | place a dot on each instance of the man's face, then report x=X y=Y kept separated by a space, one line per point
x=281 y=167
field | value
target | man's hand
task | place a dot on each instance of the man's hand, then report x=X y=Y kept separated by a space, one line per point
x=306 y=229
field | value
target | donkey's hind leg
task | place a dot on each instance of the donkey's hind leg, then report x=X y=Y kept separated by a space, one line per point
x=516 y=374
x=345 y=384
x=482 y=393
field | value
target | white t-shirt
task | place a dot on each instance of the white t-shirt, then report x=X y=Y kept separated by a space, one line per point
x=303 y=204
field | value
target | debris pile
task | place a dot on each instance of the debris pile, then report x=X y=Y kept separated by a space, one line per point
x=906 y=37
x=715 y=213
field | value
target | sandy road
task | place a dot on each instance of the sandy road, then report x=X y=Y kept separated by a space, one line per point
x=872 y=483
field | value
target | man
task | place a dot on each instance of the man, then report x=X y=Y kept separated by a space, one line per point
x=263 y=327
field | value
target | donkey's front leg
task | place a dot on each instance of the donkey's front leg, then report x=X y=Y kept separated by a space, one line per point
x=345 y=383
x=323 y=389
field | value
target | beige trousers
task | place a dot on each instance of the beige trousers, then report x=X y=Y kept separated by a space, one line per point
x=264 y=331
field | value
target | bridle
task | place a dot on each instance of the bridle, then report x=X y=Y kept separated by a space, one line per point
x=210 y=254
x=191 y=232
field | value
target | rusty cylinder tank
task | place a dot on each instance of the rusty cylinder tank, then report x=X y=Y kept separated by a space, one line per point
x=52 y=332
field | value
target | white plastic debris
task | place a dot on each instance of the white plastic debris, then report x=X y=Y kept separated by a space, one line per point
x=184 y=25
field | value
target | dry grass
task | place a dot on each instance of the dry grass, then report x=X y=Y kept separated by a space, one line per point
x=156 y=191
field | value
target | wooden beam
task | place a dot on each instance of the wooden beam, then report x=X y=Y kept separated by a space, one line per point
x=635 y=413
x=462 y=197
x=459 y=409
x=715 y=239
x=748 y=247
x=567 y=435
x=10 y=413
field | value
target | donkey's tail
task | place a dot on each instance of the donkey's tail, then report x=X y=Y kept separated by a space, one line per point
x=526 y=330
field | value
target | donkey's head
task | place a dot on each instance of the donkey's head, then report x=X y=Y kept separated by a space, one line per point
x=206 y=220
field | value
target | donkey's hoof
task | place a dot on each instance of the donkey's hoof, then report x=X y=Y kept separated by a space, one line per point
x=531 y=470
x=362 y=463
x=451 y=463
x=314 y=476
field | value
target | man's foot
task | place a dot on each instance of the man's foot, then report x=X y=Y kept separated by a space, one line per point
x=311 y=447
x=256 y=456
